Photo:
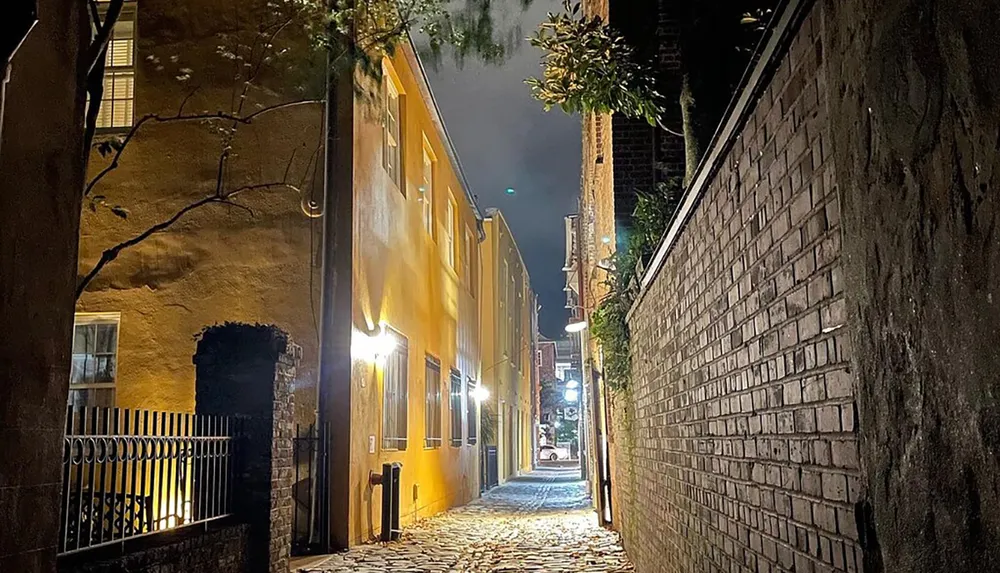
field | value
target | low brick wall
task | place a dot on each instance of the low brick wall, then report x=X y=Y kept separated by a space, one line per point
x=221 y=550
x=735 y=447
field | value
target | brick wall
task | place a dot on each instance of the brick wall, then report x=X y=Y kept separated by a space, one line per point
x=735 y=446
x=221 y=550
x=247 y=371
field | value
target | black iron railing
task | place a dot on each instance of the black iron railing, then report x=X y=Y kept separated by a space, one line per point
x=309 y=492
x=130 y=473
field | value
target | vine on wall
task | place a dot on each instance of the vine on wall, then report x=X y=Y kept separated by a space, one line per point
x=652 y=214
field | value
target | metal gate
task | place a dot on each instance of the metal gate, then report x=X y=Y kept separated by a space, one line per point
x=310 y=492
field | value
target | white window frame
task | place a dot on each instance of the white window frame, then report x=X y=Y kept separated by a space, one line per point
x=450 y=226
x=432 y=402
x=392 y=139
x=427 y=168
x=457 y=407
x=84 y=319
x=395 y=394
x=471 y=411
x=117 y=111
x=467 y=262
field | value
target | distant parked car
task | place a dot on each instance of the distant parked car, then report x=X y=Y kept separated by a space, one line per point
x=553 y=453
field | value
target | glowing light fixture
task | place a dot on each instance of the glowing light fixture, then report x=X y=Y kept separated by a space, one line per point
x=372 y=347
x=576 y=326
x=572 y=395
x=481 y=394
x=510 y=191
x=572 y=384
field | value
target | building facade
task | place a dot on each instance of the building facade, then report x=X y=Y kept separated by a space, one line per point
x=508 y=346
x=256 y=255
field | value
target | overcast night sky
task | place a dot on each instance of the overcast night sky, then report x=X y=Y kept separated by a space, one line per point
x=505 y=139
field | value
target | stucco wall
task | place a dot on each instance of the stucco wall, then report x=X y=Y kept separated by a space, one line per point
x=914 y=88
x=402 y=279
x=41 y=178
x=507 y=364
x=219 y=263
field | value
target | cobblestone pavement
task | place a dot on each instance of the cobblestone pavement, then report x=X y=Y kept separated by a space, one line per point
x=539 y=522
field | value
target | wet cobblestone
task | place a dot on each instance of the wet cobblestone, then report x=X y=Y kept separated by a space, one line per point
x=540 y=522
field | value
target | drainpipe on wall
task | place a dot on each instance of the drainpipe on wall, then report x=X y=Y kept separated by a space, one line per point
x=21 y=18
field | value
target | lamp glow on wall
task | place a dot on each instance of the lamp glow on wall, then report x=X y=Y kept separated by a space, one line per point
x=372 y=347
x=480 y=394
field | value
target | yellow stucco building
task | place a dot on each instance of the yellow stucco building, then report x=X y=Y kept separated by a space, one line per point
x=416 y=338
x=508 y=307
x=415 y=359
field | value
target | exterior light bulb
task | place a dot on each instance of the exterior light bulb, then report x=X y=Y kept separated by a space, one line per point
x=576 y=326
x=572 y=384
x=372 y=348
x=572 y=395
x=481 y=394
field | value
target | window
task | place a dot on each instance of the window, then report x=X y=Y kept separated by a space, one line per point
x=457 y=410
x=467 y=259
x=118 y=103
x=391 y=141
x=395 y=395
x=432 y=403
x=449 y=229
x=471 y=413
x=427 y=189
x=95 y=359
x=504 y=324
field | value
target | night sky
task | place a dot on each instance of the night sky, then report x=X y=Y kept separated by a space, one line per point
x=505 y=139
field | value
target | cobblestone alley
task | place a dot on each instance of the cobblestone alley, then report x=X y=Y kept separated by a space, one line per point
x=540 y=522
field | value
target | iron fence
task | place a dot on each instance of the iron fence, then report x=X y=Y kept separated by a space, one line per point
x=310 y=448
x=131 y=473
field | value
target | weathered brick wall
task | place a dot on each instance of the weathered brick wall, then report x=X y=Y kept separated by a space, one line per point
x=222 y=550
x=735 y=446
x=247 y=371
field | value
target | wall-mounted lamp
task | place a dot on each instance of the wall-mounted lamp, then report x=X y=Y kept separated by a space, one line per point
x=572 y=395
x=375 y=347
x=480 y=394
x=579 y=326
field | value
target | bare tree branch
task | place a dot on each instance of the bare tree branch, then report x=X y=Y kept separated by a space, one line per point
x=95 y=53
x=95 y=93
x=156 y=118
x=112 y=253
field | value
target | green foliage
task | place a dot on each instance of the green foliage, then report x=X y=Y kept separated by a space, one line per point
x=369 y=29
x=567 y=432
x=487 y=425
x=589 y=67
x=609 y=322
